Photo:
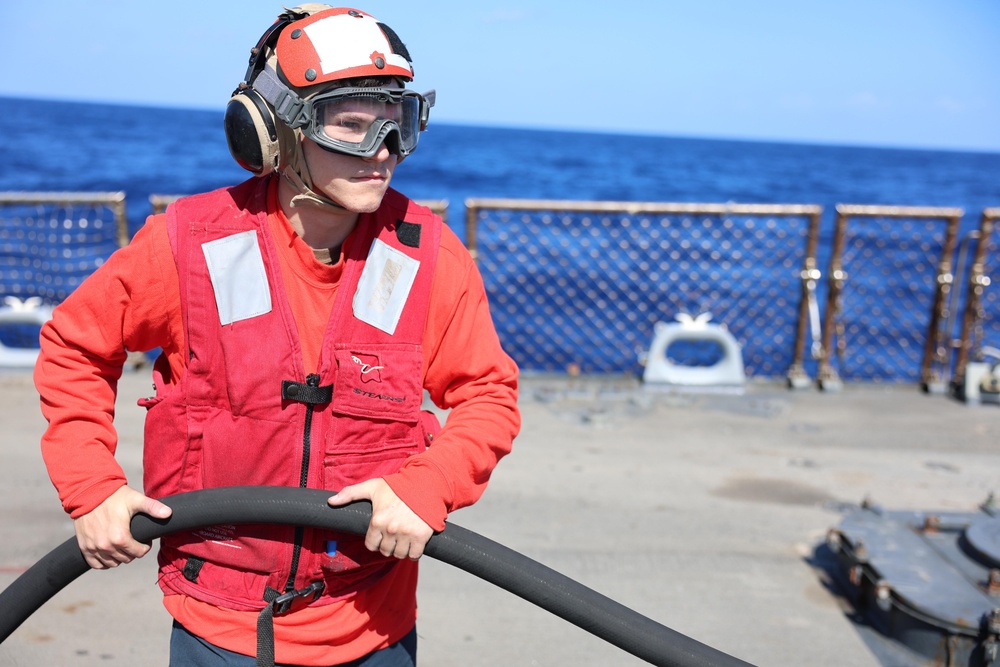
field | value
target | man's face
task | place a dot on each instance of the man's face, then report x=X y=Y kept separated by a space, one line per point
x=356 y=183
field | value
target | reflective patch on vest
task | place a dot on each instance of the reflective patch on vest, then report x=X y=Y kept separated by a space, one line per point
x=384 y=286
x=236 y=268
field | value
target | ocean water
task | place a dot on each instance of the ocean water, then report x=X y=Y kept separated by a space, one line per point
x=66 y=146
x=92 y=147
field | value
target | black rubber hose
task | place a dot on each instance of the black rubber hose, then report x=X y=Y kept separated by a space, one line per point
x=514 y=572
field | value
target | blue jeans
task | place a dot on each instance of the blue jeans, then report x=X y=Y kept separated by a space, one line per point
x=188 y=650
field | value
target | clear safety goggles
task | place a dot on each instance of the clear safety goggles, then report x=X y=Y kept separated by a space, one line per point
x=356 y=121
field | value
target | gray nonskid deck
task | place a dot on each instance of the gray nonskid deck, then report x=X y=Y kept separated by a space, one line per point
x=701 y=511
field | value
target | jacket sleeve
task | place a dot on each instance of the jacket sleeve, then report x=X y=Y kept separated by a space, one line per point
x=467 y=372
x=130 y=303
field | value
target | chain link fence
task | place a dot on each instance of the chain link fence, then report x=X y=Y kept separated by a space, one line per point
x=579 y=286
x=980 y=320
x=50 y=242
x=889 y=280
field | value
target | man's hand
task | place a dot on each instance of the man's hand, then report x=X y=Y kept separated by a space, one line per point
x=394 y=529
x=104 y=535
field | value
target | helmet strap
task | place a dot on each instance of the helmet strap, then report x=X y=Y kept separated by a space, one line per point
x=308 y=196
x=296 y=172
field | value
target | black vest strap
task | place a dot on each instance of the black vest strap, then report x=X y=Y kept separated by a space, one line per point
x=279 y=603
x=192 y=568
x=265 y=630
x=305 y=393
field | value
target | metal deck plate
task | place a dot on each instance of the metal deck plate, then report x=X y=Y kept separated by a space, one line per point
x=922 y=579
x=983 y=536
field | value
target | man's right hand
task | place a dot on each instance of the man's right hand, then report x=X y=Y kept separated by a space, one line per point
x=103 y=534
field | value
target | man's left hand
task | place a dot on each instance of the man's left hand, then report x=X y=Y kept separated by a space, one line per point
x=394 y=529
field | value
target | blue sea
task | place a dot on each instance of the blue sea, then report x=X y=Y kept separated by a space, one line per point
x=68 y=146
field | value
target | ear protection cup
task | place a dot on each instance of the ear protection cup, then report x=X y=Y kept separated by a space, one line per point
x=252 y=133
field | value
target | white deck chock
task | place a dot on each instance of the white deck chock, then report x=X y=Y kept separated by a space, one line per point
x=16 y=311
x=727 y=372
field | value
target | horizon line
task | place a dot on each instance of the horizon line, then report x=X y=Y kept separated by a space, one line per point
x=819 y=143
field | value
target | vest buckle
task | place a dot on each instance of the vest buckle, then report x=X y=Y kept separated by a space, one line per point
x=291 y=601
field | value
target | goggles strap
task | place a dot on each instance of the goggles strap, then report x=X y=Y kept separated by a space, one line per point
x=288 y=106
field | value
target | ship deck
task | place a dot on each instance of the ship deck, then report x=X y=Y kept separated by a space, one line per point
x=703 y=511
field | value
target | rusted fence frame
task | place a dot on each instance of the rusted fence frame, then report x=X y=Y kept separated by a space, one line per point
x=809 y=316
x=977 y=283
x=809 y=275
x=113 y=200
x=937 y=343
x=159 y=202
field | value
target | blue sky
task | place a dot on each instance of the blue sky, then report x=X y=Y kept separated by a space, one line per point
x=911 y=73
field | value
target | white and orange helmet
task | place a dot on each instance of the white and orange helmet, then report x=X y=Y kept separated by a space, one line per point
x=339 y=43
x=299 y=82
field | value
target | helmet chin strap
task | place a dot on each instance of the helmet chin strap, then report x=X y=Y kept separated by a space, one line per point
x=308 y=196
x=296 y=173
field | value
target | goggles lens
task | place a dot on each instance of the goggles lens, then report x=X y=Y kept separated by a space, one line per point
x=356 y=121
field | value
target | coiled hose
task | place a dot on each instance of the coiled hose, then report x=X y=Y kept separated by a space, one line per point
x=466 y=550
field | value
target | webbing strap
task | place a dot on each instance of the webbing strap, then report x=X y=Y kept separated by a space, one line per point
x=306 y=393
x=279 y=603
x=265 y=629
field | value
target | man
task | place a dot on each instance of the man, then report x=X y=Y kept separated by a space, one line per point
x=302 y=315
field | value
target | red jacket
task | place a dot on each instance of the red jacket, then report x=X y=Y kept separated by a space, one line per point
x=247 y=412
